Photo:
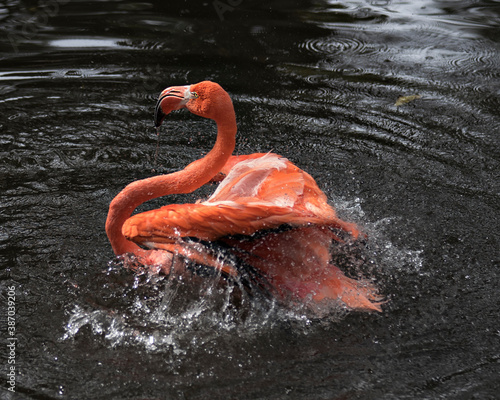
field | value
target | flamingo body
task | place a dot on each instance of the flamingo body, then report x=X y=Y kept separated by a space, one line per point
x=267 y=211
x=257 y=194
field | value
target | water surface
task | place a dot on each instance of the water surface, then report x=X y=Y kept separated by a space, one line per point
x=314 y=81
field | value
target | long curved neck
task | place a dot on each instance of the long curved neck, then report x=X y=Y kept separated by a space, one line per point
x=189 y=179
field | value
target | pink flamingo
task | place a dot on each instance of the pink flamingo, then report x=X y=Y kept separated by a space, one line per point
x=267 y=211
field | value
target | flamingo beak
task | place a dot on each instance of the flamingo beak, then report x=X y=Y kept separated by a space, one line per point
x=172 y=98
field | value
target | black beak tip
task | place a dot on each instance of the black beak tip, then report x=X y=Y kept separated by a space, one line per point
x=159 y=116
x=159 y=121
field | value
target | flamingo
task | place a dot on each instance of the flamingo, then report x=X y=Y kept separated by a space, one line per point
x=266 y=212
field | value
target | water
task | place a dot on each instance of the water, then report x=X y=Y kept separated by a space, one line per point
x=314 y=81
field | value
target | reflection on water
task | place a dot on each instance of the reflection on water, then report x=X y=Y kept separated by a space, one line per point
x=314 y=81
x=84 y=43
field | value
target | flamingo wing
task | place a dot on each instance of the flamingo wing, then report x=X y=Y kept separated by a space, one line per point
x=297 y=263
x=257 y=194
x=273 y=179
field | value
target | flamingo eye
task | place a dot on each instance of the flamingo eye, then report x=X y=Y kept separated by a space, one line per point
x=194 y=95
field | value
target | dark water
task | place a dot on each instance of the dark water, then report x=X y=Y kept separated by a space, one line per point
x=316 y=81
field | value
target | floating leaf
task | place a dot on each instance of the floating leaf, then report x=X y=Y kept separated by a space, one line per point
x=406 y=99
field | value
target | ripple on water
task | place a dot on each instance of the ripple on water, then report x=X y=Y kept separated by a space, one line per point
x=339 y=44
x=480 y=59
x=443 y=48
x=428 y=43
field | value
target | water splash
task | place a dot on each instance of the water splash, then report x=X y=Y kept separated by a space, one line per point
x=182 y=313
x=169 y=314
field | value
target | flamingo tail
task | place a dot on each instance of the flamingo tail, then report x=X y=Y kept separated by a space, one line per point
x=358 y=295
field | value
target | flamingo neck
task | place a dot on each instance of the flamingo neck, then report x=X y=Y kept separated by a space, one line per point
x=187 y=180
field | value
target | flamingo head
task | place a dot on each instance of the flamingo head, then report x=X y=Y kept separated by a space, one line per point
x=206 y=99
x=172 y=98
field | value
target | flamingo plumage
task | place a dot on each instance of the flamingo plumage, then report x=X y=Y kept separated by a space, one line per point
x=270 y=214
